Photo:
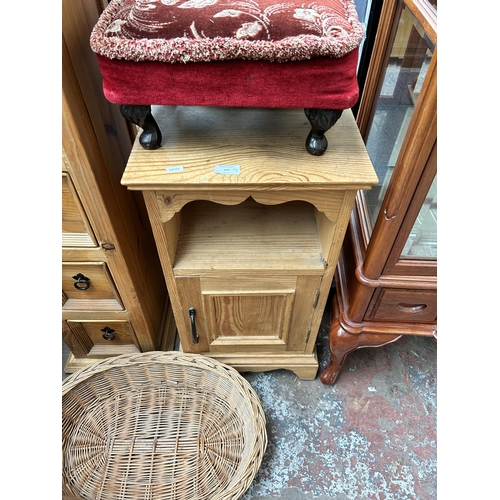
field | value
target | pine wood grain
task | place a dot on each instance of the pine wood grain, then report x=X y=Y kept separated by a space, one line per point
x=76 y=229
x=248 y=236
x=100 y=284
x=102 y=220
x=267 y=145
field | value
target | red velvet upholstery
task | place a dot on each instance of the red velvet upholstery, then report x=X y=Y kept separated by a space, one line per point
x=249 y=53
x=322 y=82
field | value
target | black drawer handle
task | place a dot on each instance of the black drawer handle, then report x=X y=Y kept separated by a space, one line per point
x=192 y=316
x=81 y=282
x=411 y=308
x=108 y=333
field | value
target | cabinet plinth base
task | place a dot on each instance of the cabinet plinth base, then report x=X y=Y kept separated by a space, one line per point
x=305 y=366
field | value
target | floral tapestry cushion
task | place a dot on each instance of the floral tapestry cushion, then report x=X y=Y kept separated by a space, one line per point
x=218 y=30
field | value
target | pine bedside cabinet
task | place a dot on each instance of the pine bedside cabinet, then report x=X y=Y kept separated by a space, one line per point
x=248 y=227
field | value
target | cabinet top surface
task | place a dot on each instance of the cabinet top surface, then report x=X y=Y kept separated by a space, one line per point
x=247 y=148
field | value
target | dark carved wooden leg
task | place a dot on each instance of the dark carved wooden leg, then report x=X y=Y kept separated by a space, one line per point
x=321 y=120
x=343 y=343
x=141 y=116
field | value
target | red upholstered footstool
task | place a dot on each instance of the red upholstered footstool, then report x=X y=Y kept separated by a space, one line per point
x=245 y=53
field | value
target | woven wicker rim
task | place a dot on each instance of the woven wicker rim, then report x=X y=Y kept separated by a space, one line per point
x=160 y=425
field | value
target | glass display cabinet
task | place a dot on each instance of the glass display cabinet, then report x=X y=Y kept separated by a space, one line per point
x=386 y=277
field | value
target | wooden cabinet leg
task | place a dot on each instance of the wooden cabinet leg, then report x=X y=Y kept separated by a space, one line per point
x=342 y=343
x=321 y=121
x=141 y=116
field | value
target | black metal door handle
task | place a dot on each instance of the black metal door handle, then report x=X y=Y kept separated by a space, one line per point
x=192 y=316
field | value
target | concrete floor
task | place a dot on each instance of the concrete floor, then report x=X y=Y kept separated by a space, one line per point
x=372 y=435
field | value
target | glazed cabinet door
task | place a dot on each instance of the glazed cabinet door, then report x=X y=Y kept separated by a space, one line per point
x=398 y=121
x=246 y=314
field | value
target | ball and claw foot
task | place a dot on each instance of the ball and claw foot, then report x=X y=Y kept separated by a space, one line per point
x=141 y=116
x=321 y=121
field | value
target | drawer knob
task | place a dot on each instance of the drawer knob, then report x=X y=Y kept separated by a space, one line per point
x=81 y=282
x=411 y=308
x=192 y=316
x=108 y=333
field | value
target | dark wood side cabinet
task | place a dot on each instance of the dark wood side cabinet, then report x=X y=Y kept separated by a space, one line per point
x=386 y=277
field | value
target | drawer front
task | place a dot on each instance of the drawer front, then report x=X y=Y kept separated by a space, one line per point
x=101 y=338
x=76 y=229
x=89 y=286
x=413 y=306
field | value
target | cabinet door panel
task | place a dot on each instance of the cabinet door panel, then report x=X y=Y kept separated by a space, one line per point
x=237 y=314
x=253 y=322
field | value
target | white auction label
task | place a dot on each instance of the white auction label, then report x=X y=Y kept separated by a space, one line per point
x=172 y=170
x=227 y=169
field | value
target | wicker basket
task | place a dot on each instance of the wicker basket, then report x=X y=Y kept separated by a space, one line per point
x=160 y=425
